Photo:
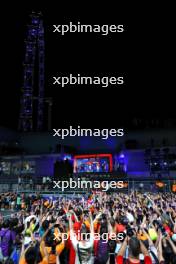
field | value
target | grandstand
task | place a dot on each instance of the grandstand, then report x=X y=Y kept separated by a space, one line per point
x=139 y=158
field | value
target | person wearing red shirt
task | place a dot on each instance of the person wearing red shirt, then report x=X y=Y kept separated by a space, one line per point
x=135 y=247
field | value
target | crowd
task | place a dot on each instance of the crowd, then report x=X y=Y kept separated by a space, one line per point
x=98 y=228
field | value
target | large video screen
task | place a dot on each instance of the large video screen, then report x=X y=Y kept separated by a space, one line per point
x=93 y=163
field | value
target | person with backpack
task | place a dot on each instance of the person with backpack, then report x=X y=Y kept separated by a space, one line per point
x=83 y=243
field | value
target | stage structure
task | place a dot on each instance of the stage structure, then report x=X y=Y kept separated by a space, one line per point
x=33 y=76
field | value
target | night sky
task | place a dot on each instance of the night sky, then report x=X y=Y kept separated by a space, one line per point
x=142 y=54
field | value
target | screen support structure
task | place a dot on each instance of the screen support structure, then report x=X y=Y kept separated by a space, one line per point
x=33 y=67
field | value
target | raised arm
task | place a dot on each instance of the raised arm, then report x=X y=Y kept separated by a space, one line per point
x=144 y=250
x=160 y=249
x=57 y=260
x=91 y=224
x=123 y=247
x=171 y=244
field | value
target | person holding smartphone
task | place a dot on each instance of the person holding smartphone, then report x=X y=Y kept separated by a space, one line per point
x=135 y=247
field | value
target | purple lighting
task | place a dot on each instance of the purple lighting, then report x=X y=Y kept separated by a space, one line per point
x=122 y=156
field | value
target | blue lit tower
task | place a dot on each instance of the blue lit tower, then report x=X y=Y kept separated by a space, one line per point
x=33 y=66
x=41 y=50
